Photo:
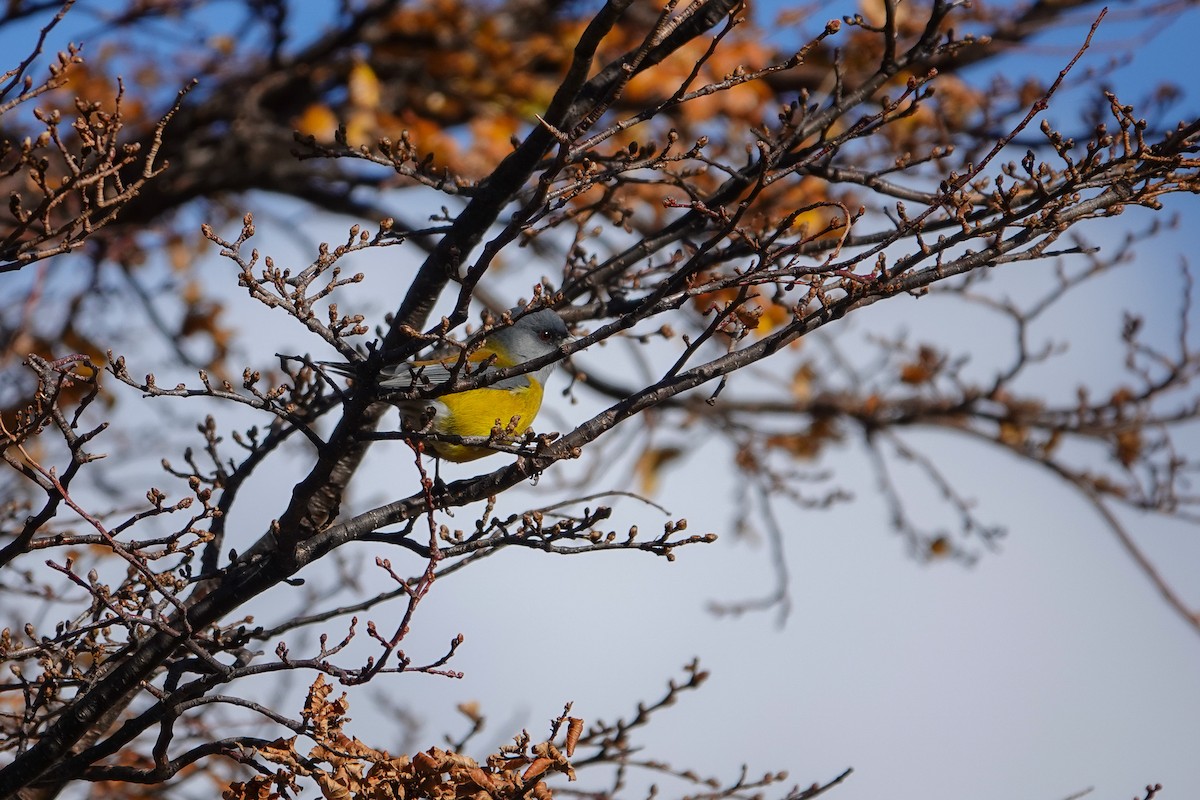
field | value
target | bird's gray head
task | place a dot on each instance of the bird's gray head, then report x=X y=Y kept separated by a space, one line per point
x=530 y=337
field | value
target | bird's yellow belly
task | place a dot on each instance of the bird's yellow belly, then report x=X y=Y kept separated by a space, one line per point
x=477 y=412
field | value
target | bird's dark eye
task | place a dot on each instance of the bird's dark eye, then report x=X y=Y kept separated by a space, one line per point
x=546 y=335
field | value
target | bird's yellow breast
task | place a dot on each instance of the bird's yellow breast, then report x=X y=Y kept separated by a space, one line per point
x=477 y=411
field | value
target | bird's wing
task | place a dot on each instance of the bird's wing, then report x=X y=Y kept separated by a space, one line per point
x=428 y=374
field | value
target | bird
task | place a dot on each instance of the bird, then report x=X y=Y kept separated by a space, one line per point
x=477 y=412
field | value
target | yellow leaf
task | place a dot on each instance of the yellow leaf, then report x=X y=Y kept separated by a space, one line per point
x=179 y=254
x=470 y=710
x=650 y=464
x=802 y=382
x=1013 y=434
x=363 y=86
x=223 y=44
x=361 y=128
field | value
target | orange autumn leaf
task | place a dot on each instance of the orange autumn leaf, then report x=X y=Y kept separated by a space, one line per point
x=318 y=120
x=1128 y=446
x=806 y=444
x=924 y=369
x=574 y=730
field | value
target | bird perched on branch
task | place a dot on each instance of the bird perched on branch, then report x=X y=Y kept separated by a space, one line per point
x=477 y=412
